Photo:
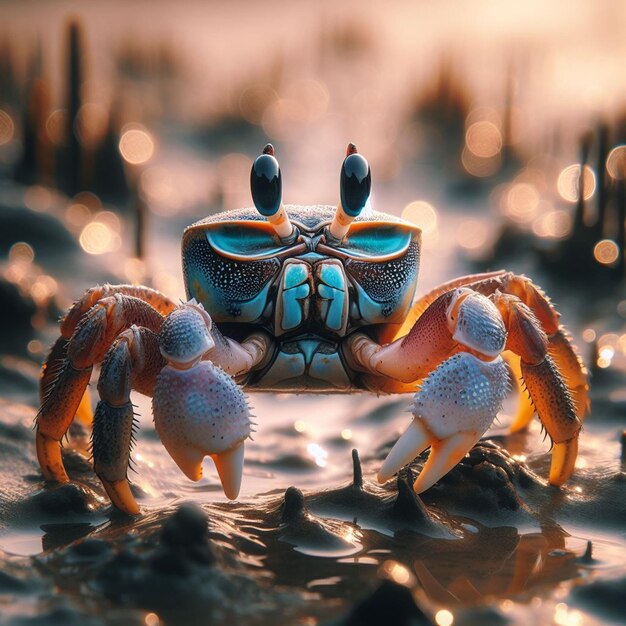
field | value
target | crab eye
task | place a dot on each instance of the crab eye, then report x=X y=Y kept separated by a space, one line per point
x=266 y=186
x=354 y=189
x=266 y=183
x=355 y=184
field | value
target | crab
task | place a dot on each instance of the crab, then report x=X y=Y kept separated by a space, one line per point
x=307 y=299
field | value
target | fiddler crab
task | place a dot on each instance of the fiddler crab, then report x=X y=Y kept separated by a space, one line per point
x=307 y=299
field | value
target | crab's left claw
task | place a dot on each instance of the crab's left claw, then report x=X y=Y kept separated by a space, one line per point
x=453 y=408
x=444 y=454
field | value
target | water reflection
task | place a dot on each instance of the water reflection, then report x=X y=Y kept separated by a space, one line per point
x=494 y=563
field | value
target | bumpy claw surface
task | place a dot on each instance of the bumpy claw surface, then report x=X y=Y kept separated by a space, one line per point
x=198 y=412
x=454 y=407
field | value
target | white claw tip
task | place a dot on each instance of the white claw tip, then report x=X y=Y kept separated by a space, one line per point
x=229 y=466
x=382 y=478
x=415 y=439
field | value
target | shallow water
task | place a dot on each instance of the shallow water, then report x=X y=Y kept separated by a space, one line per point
x=465 y=552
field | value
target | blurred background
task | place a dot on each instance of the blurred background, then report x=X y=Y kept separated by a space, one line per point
x=497 y=129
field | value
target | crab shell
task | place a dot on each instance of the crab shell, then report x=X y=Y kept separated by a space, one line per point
x=308 y=292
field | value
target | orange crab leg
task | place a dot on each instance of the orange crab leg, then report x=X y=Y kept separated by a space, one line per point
x=64 y=380
x=572 y=369
x=560 y=345
x=525 y=407
x=411 y=358
x=154 y=298
x=133 y=361
x=550 y=395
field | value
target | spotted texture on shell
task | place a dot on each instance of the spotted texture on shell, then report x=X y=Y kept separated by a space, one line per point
x=388 y=281
x=480 y=326
x=184 y=335
x=462 y=394
x=201 y=408
x=232 y=282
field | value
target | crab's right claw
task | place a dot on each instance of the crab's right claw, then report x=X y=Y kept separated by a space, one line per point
x=200 y=412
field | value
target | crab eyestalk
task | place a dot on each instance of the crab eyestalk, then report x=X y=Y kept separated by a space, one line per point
x=267 y=189
x=354 y=187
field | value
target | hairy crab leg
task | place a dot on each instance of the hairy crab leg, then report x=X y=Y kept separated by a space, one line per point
x=548 y=390
x=525 y=406
x=132 y=362
x=154 y=298
x=66 y=381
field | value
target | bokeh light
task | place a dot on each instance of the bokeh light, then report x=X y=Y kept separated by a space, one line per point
x=521 y=203
x=21 y=252
x=422 y=214
x=565 y=616
x=589 y=335
x=151 y=619
x=478 y=166
x=471 y=234
x=616 y=162
x=568 y=183
x=101 y=235
x=483 y=139
x=43 y=289
x=136 y=146
x=319 y=454
x=553 y=224
x=444 y=618
x=7 y=128
x=77 y=215
x=606 y=252
x=397 y=572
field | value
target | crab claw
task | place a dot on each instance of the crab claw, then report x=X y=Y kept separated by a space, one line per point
x=453 y=408
x=198 y=412
x=444 y=454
